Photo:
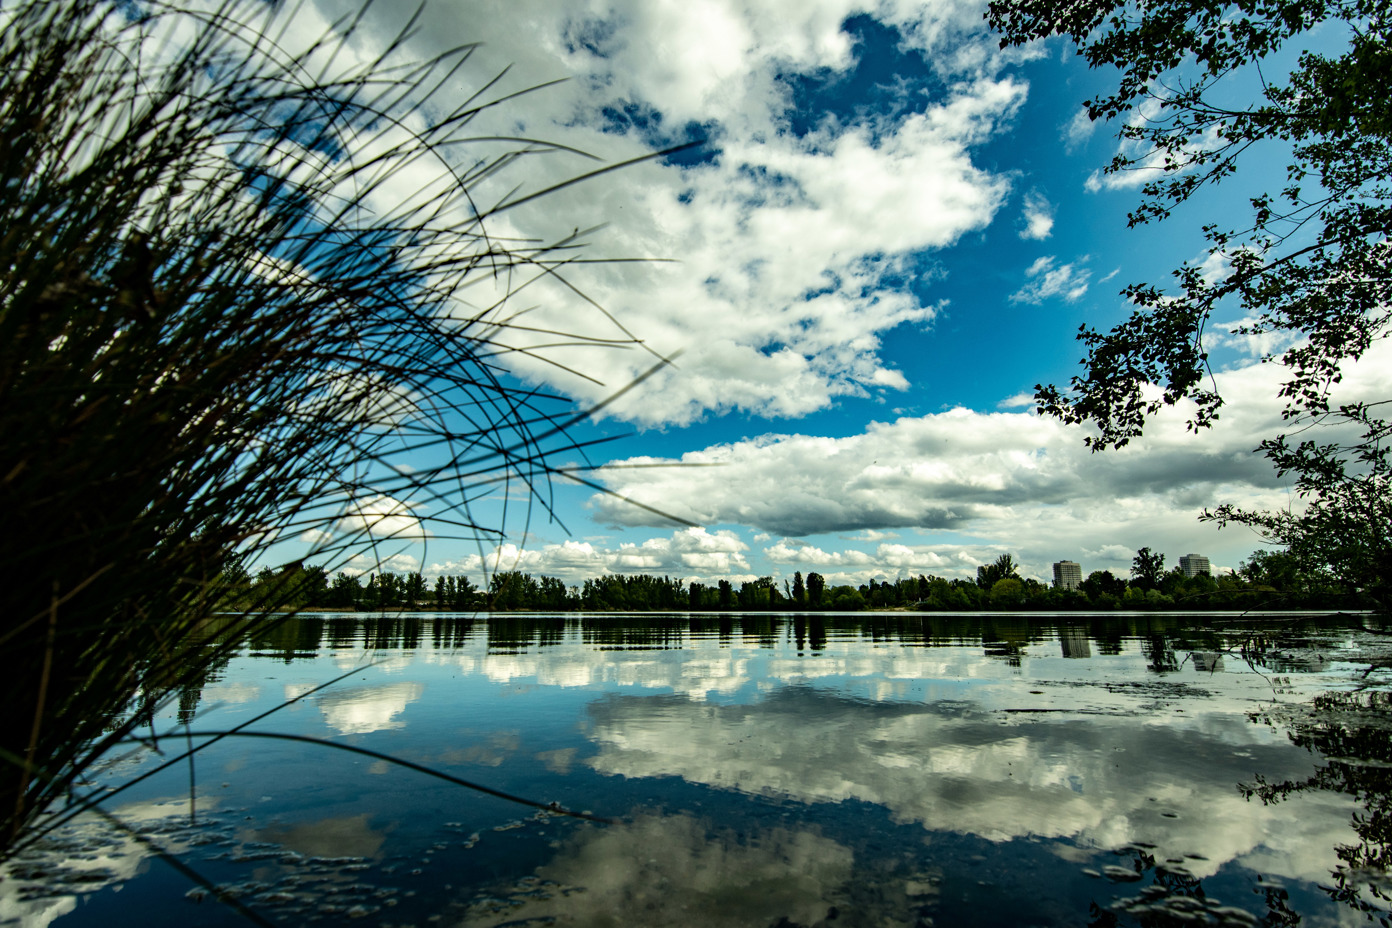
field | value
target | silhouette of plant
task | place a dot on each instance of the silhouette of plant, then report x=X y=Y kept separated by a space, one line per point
x=224 y=325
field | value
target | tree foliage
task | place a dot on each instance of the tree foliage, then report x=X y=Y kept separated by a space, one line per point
x=1147 y=567
x=1003 y=568
x=1309 y=267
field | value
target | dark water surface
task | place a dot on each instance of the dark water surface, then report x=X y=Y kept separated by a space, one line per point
x=762 y=770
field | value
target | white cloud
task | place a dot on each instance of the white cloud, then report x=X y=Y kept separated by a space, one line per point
x=1015 y=480
x=1079 y=129
x=380 y=517
x=1150 y=162
x=375 y=562
x=316 y=536
x=1018 y=401
x=869 y=534
x=1046 y=280
x=1038 y=217
x=941 y=471
x=854 y=566
x=690 y=554
x=1250 y=344
x=792 y=256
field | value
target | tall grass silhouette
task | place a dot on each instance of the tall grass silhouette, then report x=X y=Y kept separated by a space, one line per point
x=230 y=314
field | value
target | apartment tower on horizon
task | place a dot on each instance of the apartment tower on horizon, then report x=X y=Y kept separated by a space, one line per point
x=1068 y=575
x=1193 y=564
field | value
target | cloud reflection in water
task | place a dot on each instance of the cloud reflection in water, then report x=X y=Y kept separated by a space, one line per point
x=361 y=710
x=669 y=871
x=1100 y=780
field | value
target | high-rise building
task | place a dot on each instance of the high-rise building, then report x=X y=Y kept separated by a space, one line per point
x=1194 y=564
x=1068 y=575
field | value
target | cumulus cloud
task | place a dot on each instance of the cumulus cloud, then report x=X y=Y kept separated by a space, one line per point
x=853 y=566
x=869 y=534
x=1046 y=279
x=691 y=554
x=994 y=478
x=1038 y=217
x=378 y=561
x=316 y=537
x=380 y=517
x=941 y=471
x=785 y=273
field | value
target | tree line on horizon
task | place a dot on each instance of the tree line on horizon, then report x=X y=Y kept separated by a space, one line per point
x=1266 y=580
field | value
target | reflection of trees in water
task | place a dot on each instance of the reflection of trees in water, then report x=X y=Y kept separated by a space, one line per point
x=1288 y=652
x=192 y=691
x=288 y=640
x=759 y=627
x=1160 y=654
x=508 y=635
x=1162 y=638
x=1352 y=732
x=617 y=633
x=452 y=632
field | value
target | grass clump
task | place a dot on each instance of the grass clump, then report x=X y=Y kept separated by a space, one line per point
x=221 y=325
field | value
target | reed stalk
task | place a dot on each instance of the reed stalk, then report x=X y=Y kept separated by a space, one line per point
x=219 y=330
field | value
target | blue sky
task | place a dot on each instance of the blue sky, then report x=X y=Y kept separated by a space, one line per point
x=892 y=234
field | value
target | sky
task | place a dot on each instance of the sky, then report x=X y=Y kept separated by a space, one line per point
x=891 y=233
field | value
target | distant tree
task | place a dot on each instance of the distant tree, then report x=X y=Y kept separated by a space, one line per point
x=816 y=585
x=727 y=594
x=1007 y=591
x=799 y=590
x=845 y=599
x=759 y=593
x=1103 y=581
x=1278 y=570
x=1147 y=568
x=345 y=591
x=463 y=594
x=552 y=595
x=1003 y=568
x=1173 y=582
x=507 y=590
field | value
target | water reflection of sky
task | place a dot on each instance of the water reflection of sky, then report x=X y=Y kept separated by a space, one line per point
x=1015 y=743
x=1102 y=780
x=360 y=710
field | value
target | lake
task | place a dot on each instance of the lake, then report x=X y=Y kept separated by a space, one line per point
x=762 y=770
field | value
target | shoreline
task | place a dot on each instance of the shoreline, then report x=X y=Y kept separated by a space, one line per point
x=896 y=610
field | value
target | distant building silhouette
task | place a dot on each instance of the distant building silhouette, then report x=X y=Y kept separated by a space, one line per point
x=1068 y=575
x=1194 y=564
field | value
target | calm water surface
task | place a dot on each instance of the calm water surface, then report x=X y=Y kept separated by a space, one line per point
x=763 y=771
